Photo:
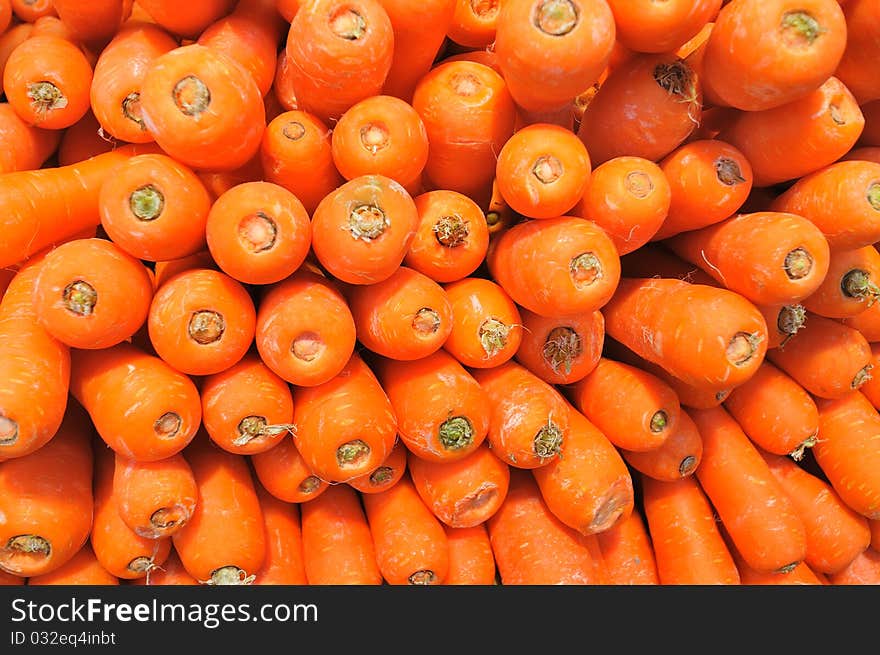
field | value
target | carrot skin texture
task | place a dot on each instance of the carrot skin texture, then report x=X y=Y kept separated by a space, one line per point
x=471 y=561
x=628 y=552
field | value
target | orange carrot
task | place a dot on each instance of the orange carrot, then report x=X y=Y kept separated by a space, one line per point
x=850 y=286
x=863 y=570
x=386 y=475
x=871 y=388
x=646 y=26
x=628 y=553
x=84 y=140
x=9 y=41
x=93 y=23
x=561 y=350
x=875 y=533
x=188 y=21
x=471 y=561
x=870 y=136
x=866 y=322
x=677 y=457
x=285 y=475
x=28 y=147
x=284 y=563
x=171 y=572
x=802 y=574
x=81 y=569
x=473 y=23
x=861 y=49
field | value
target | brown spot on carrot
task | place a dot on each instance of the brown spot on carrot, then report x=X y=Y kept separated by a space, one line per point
x=585 y=269
x=798 y=264
x=423 y=577
x=873 y=196
x=367 y=222
x=374 y=137
x=556 y=17
x=742 y=347
x=381 y=475
x=168 y=517
x=191 y=96
x=257 y=232
x=293 y=130
x=146 y=202
x=307 y=346
x=799 y=29
x=8 y=431
x=616 y=500
x=230 y=575
x=310 y=484
x=473 y=503
x=548 y=440
x=836 y=115
x=862 y=377
x=562 y=346
x=721 y=395
x=22 y=550
x=206 y=326
x=456 y=432
x=659 y=421
x=131 y=109
x=426 y=321
x=348 y=24
x=351 y=453
x=168 y=425
x=728 y=172
x=493 y=336
x=798 y=453
x=45 y=97
x=80 y=298
x=790 y=319
x=451 y=231
x=687 y=466
x=788 y=568
x=638 y=184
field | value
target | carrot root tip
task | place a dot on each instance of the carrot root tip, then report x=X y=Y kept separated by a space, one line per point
x=22 y=550
x=165 y=518
x=800 y=28
x=451 y=231
x=423 y=577
x=687 y=466
x=45 y=97
x=659 y=421
x=798 y=263
x=562 y=347
x=374 y=137
x=8 y=431
x=229 y=575
x=254 y=428
x=131 y=109
x=348 y=24
x=857 y=283
x=307 y=346
x=679 y=80
x=547 y=169
x=874 y=196
x=310 y=484
x=351 y=453
x=862 y=377
x=367 y=222
x=798 y=453
x=293 y=130
x=80 y=298
x=728 y=171
x=192 y=96
x=791 y=318
x=206 y=326
x=381 y=475
x=742 y=347
x=585 y=269
x=556 y=17
x=638 y=184
x=168 y=425
x=548 y=441
x=485 y=9
x=456 y=432
x=146 y=202
x=426 y=322
x=493 y=336
x=493 y=218
x=141 y=565
x=257 y=232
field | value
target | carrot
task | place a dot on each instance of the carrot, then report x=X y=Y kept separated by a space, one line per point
x=827 y=358
x=628 y=553
x=875 y=533
x=380 y=219
x=532 y=546
x=762 y=55
x=202 y=321
x=409 y=540
x=287 y=8
x=561 y=350
x=471 y=561
x=870 y=136
x=189 y=21
x=462 y=493
x=720 y=337
x=381 y=135
x=551 y=50
x=9 y=41
x=5 y=15
x=452 y=237
x=224 y=542
x=442 y=411
x=81 y=569
x=473 y=23
x=46 y=501
x=603 y=496
x=846 y=452
x=836 y=534
x=84 y=140
x=406 y=316
x=557 y=266
x=861 y=49
x=852 y=189
x=344 y=427
x=28 y=147
x=677 y=457
x=871 y=388
x=202 y=108
x=863 y=570
x=648 y=27
x=646 y=108
x=866 y=322
x=801 y=137
x=251 y=34
x=167 y=269
x=486 y=323
x=34 y=371
x=757 y=513
x=283 y=85
x=802 y=574
x=337 y=544
x=47 y=80
x=171 y=572
x=93 y=23
x=339 y=54
x=866 y=153
x=453 y=100
x=384 y=476
x=159 y=425
x=119 y=549
x=635 y=409
x=629 y=198
x=850 y=286
x=285 y=475
x=284 y=563
x=296 y=153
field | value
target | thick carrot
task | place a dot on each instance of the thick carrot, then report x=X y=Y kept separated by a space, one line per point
x=473 y=23
x=386 y=475
x=442 y=411
x=487 y=325
x=557 y=266
x=83 y=140
x=5 y=15
x=802 y=574
x=529 y=421
x=628 y=197
x=719 y=337
x=410 y=542
x=81 y=569
x=628 y=553
x=284 y=563
x=603 y=496
x=635 y=409
x=847 y=453
x=90 y=293
x=166 y=269
x=866 y=322
x=463 y=493
x=757 y=513
x=863 y=570
x=285 y=475
x=836 y=534
x=31 y=10
x=28 y=147
x=202 y=321
x=452 y=238
x=850 y=286
x=688 y=546
x=9 y=41
x=677 y=457
x=154 y=499
x=172 y=572
x=761 y=55
x=871 y=388
x=163 y=421
x=862 y=48
x=532 y=546
x=827 y=358
x=338 y=548
x=471 y=561
x=850 y=189
x=46 y=501
x=344 y=427
x=561 y=350
x=800 y=137
x=186 y=22
x=646 y=26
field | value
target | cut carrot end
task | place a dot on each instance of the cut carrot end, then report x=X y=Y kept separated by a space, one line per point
x=374 y=137
x=45 y=97
x=728 y=171
x=562 y=347
x=24 y=551
x=168 y=425
x=451 y=231
x=585 y=269
x=485 y=9
x=293 y=130
x=687 y=466
x=348 y=24
x=638 y=184
x=456 y=432
x=465 y=84
x=426 y=322
x=791 y=318
x=307 y=346
x=800 y=28
x=862 y=377
x=309 y=485
x=351 y=453
x=146 y=203
x=192 y=96
x=250 y=428
x=206 y=326
x=367 y=222
x=548 y=441
x=679 y=80
x=798 y=453
x=80 y=298
x=742 y=348
x=493 y=219
x=230 y=575
x=798 y=263
x=381 y=476
x=612 y=507
x=874 y=196
x=857 y=284
x=556 y=17
x=257 y=232
x=166 y=518
x=141 y=565
x=423 y=577
x=493 y=336
x=547 y=169
x=131 y=109
x=659 y=421
x=8 y=431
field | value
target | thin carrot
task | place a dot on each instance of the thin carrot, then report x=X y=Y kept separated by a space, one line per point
x=861 y=49
x=646 y=26
x=677 y=457
x=285 y=475
x=757 y=513
x=93 y=23
x=863 y=570
x=604 y=495
x=46 y=501
x=442 y=411
x=164 y=420
x=628 y=553
x=189 y=21
x=337 y=545
x=386 y=475
x=28 y=147
x=561 y=350
x=81 y=569
x=171 y=572
x=471 y=561
x=284 y=563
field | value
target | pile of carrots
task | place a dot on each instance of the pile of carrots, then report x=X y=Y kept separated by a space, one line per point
x=337 y=292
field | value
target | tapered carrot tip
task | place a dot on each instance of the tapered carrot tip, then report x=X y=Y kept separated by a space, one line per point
x=257 y=427
x=206 y=326
x=230 y=575
x=147 y=202
x=556 y=17
x=24 y=552
x=562 y=347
